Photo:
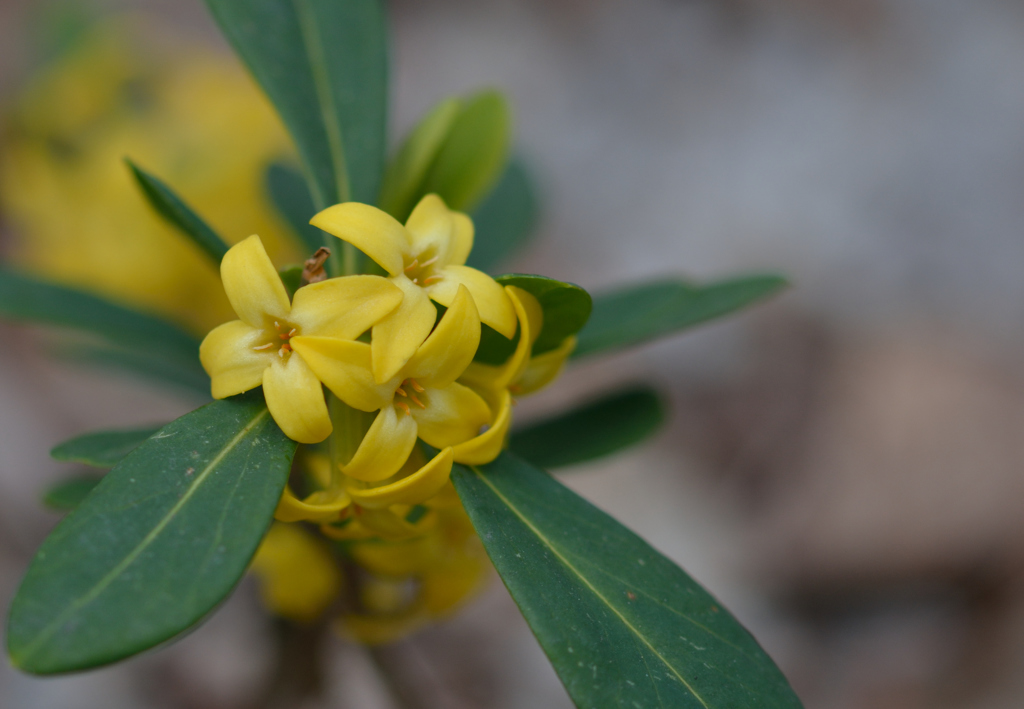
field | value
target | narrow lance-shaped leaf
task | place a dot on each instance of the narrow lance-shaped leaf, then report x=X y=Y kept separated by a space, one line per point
x=505 y=219
x=172 y=208
x=622 y=625
x=25 y=298
x=180 y=376
x=102 y=449
x=635 y=314
x=69 y=494
x=323 y=63
x=157 y=545
x=596 y=429
x=290 y=195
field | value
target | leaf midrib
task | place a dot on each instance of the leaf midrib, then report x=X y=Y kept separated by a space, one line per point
x=554 y=550
x=100 y=585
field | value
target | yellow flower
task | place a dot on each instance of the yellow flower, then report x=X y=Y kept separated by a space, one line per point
x=425 y=258
x=260 y=348
x=422 y=399
x=299 y=577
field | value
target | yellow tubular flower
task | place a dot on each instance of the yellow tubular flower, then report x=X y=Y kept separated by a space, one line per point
x=425 y=259
x=299 y=577
x=258 y=347
x=421 y=400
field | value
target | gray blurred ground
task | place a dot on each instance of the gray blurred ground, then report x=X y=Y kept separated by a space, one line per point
x=845 y=466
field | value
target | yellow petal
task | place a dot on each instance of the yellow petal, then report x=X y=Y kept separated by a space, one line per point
x=486 y=447
x=542 y=369
x=462 y=239
x=438 y=231
x=343 y=307
x=384 y=448
x=252 y=284
x=387 y=525
x=228 y=356
x=344 y=367
x=398 y=335
x=412 y=490
x=531 y=318
x=451 y=346
x=298 y=575
x=491 y=300
x=373 y=231
x=322 y=506
x=296 y=400
x=451 y=415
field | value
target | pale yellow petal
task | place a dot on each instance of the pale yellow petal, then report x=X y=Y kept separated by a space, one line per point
x=398 y=335
x=298 y=575
x=462 y=239
x=322 y=506
x=530 y=317
x=343 y=307
x=373 y=231
x=228 y=356
x=252 y=284
x=451 y=346
x=430 y=228
x=412 y=490
x=296 y=400
x=387 y=525
x=450 y=415
x=491 y=300
x=486 y=447
x=384 y=448
x=543 y=369
x=344 y=367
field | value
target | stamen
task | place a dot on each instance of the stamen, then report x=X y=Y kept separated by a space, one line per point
x=263 y=347
x=416 y=385
x=403 y=406
x=427 y=281
x=428 y=263
x=291 y=332
x=414 y=264
x=277 y=324
x=401 y=391
x=283 y=336
x=417 y=401
x=416 y=281
x=280 y=353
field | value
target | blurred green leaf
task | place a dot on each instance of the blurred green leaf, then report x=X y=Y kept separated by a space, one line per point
x=472 y=156
x=68 y=494
x=292 y=279
x=323 y=63
x=102 y=449
x=596 y=429
x=622 y=625
x=171 y=207
x=402 y=186
x=566 y=307
x=290 y=195
x=635 y=314
x=181 y=377
x=157 y=545
x=505 y=220
x=25 y=298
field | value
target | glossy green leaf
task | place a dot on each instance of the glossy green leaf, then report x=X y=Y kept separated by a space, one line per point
x=157 y=545
x=473 y=154
x=25 y=298
x=69 y=494
x=323 y=63
x=635 y=314
x=173 y=209
x=402 y=186
x=182 y=377
x=290 y=196
x=594 y=430
x=622 y=625
x=505 y=220
x=102 y=449
x=566 y=307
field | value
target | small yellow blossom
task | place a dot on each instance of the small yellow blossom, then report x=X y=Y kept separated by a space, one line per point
x=299 y=577
x=259 y=347
x=425 y=259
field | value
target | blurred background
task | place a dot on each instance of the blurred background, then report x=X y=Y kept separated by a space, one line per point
x=843 y=467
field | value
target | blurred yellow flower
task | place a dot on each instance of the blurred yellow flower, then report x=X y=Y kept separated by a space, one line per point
x=299 y=577
x=191 y=117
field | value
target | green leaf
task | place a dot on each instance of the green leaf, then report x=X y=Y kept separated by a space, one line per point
x=323 y=63
x=68 y=494
x=25 y=298
x=102 y=449
x=471 y=158
x=635 y=314
x=183 y=377
x=566 y=307
x=171 y=207
x=622 y=625
x=291 y=277
x=505 y=220
x=290 y=195
x=402 y=186
x=599 y=428
x=157 y=545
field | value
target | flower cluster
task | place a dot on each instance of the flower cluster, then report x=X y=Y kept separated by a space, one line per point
x=378 y=345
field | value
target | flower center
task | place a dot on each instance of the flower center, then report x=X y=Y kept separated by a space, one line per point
x=406 y=393
x=421 y=270
x=280 y=337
